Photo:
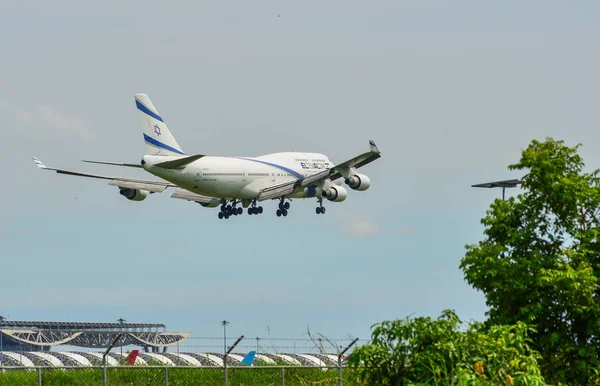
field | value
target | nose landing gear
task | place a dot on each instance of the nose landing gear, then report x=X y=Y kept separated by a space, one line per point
x=321 y=209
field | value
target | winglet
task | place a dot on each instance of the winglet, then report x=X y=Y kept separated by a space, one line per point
x=39 y=163
x=374 y=148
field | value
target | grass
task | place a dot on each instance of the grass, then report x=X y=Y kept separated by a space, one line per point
x=140 y=376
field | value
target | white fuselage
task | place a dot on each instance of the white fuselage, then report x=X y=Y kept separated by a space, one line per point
x=242 y=177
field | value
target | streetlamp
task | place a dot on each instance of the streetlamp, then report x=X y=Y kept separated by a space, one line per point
x=121 y=320
x=499 y=184
x=224 y=324
x=2 y=319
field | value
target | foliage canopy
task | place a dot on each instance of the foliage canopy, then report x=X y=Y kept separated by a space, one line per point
x=446 y=352
x=540 y=259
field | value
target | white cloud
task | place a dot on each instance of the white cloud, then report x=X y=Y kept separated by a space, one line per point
x=61 y=121
x=363 y=227
x=36 y=121
x=22 y=116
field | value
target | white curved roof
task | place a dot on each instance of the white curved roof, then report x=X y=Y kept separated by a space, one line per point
x=288 y=359
x=50 y=358
x=189 y=359
x=161 y=358
x=78 y=358
x=315 y=360
x=19 y=358
x=332 y=357
x=109 y=360
x=214 y=358
x=237 y=357
x=264 y=358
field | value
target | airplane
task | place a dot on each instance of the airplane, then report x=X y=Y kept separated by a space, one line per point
x=132 y=357
x=232 y=183
x=248 y=359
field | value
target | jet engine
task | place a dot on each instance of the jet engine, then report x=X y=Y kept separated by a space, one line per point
x=335 y=193
x=358 y=182
x=209 y=205
x=133 y=194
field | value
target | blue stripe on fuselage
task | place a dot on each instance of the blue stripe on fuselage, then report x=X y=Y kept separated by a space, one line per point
x=154 y=142
x=293 y=172
x=147 y=111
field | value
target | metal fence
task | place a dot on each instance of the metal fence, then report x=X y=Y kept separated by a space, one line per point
x=162 y=375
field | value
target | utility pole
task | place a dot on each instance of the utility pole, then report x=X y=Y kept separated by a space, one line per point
x=340 y=361
x=257 y=339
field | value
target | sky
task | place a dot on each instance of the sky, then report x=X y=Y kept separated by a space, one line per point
x=450 y=91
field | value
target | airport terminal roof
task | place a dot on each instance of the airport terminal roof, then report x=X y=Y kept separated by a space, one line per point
x=79 y=325
x=207 y=359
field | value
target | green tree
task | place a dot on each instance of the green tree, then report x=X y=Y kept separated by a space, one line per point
x=540 y=259
x=446 y=352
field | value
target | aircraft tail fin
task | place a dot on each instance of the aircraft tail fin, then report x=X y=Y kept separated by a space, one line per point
x=248 y=359
x=158 y=138
x=132 y=357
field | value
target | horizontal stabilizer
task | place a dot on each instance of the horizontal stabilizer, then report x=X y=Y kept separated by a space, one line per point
x=114 y=163
x=179 y=163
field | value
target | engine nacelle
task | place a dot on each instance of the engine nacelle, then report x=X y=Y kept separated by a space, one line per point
x=335 y=193
x=133 y=194
x=209 y=205
x=358 y=182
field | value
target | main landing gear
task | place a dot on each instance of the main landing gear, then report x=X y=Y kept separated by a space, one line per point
x=283 y=208
x=321 y=209
x=255 y=209
x=230 y=210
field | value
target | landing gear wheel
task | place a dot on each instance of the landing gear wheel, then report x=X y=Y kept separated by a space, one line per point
x=226 y=215
x=323 y=210
x=284 y=212
x=240 y=210
x=221 y=215
x=318 y=210
x=278 y=212
x=286 y=205
x=250 y=211
x=260 y=210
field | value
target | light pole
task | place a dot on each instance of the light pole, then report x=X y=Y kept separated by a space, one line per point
x=499 y=184
x=2 y=319
x=257 y=339
x=224 y=323
x=121 y=320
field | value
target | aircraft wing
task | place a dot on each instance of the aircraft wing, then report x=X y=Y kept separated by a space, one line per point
x=356 y=162
x=122 y=182
x=331 y=174
x=183 y=194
